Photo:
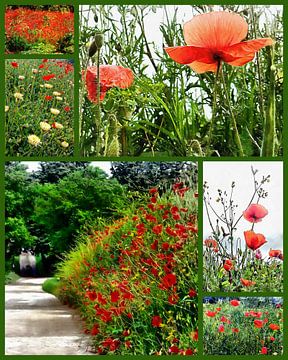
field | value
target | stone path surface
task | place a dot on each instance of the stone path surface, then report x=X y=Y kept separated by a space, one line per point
x=36 y=323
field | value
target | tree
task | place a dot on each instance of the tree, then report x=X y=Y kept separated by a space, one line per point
x=140 y=175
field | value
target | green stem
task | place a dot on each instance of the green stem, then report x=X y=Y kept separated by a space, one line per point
x=237 y=137
x=268 y=144
x=213 y=106
x=98 y=108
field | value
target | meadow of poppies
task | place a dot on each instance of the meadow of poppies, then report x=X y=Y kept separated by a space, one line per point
x=135 y=281
x=243 y=228
x=39 y=107
x=159 y=80
x=39 y=29
x=243 y=326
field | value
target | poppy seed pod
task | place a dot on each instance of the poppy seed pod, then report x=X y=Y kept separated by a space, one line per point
x=92 y=49
x=96 y=18
x=99 y=40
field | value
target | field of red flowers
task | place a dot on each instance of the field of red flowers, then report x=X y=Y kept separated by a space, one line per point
x=135 y=282
x=38 y=30
x=245 y=326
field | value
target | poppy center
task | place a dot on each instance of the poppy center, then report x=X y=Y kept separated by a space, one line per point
x=217 y=57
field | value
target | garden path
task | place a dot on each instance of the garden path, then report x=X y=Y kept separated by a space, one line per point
x=36 y=323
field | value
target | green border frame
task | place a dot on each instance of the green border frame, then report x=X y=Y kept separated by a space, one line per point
x=77 y=157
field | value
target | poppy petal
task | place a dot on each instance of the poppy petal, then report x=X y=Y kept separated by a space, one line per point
x=201 y=67
x=188 y=54
x=247 y=48
x=239 y=61
x=215 y=30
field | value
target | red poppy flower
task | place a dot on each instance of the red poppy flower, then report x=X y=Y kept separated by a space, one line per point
x=110 y=76
x=255 y=213
x=168 y=281
x=211 y=313
x=48 y=77
x=95 y=330
x=218 y=308
x=14 y=64
x=157 y=229
x=247 y=283
x=48 y=97
x=235 y=330
x=221 y=328
x=207 y=48
x=254 y=241
x=211 y=243
x=235 y=302
x=275 y=253
x=274 y=327
x=272 y=338
x=156 y=321
x=189 y=352
x=115 y=296
x=174 y=349
x=173 y=299
x=192 y=293
x=92 y=295
x=67 y=108
x=258 y=323
x=264 y=350
x=228 y=265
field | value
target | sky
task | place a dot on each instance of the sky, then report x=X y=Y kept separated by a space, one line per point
x=220 y=175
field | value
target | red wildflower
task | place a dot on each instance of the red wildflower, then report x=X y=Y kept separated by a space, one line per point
x=264 y=350
x=272 y=338
x=211 y=243
x=157 y=229
x=192 y=293
x=211 y=313
x=225 y=320
x=110 y=76
x=258 y=323
x=95 y=330
x=48 y=77
x=168 y=281
x=173 y=299
x=275 y=253
x=126 y=333
x=206 y=49
x=174 y=349
x=165 y=246
x=128 y=344
x=235 y=330
x=221 y=328
x=274 y=327
x=48 y=97
x=235 y=302
x=189 y=352
x=254 y=241
x=67 y=108
x=218 y=308
x=194 y=335
x=228 y=265
x=247 y=283
x=14 y=64
x=91 y=295
x=255 y=213
x=153 y=191
x=156 y=321
x=115 y=296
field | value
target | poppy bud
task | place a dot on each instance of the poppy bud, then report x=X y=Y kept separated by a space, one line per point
x=92 y=49
x=118 y=47
x=99 y=40
x=96 y=18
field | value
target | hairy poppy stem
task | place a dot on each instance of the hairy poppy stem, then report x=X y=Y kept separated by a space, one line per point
x=237 y=137
x=269 y=137
x=98 y=108
x=214 y=104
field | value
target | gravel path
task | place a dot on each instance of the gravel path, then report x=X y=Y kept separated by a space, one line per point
x=36 y=323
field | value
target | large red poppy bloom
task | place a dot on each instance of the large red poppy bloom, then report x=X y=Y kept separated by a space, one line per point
x=254 y=241
x=214 y=37
x=276 y=254
x=255 y=212
x=110 y=76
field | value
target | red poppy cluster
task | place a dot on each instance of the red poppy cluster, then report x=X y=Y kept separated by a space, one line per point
x=255 y=319
x=143 y=270
x=38 y=25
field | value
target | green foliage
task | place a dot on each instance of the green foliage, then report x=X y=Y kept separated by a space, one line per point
x=61 y=209
x=65 y=45
x=16 y=43
x=141 y=176
x=11 y=278
x=51 y=286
